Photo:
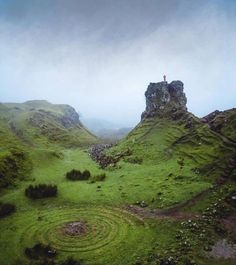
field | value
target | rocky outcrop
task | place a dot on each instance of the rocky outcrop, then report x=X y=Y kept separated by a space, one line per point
x=163 y=98
x=210 y=117
x=70 y=117
x=222 y=122
x=67 y=118
x=98 y=154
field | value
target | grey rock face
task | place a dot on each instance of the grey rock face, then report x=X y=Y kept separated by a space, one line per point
x=70 y=117
x=164 y=98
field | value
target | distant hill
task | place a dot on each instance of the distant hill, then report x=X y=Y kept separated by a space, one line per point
x=105 y=129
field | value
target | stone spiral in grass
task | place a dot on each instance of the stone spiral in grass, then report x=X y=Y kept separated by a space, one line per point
x=105 y=227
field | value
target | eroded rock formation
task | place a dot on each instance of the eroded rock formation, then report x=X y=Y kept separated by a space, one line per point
x=164 y=98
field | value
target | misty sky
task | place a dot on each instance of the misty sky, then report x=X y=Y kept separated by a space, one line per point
x=100 y=55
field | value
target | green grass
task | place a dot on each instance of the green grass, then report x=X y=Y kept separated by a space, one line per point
x=112 y=234
x=101 y=208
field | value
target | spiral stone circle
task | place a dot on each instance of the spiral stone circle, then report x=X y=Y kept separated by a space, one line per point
x=104 y=226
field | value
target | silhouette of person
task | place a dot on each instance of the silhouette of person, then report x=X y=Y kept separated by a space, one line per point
x=164 y=76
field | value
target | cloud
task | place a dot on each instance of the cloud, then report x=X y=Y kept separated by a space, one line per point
x=99 y=56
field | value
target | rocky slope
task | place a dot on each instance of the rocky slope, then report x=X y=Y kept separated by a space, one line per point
x=222 y=122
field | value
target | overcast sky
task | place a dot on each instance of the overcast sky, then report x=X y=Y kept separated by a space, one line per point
x=100 y=55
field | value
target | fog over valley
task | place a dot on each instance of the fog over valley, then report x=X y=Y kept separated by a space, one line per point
x=100 y=56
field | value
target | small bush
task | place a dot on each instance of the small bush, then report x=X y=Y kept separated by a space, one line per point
x=41 y=191
x=86 y=174
x=100 y=177
x=40 y=251
x=78 y=175
x=6 y=209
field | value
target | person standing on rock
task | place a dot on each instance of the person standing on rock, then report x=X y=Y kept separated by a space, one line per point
x=164 y=76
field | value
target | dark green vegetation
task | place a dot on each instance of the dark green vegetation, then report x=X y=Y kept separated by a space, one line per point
x=44 y=255
x=180 y=171
x=14 y=165
x=41 y=191
x=40 y=251
x=85 y=175
x=77 y=175
x=6 y=209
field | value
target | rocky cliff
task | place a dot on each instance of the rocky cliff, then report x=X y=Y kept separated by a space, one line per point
x=163 y=98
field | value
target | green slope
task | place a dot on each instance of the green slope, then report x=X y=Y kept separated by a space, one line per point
x=40 y=122
x=34 y=124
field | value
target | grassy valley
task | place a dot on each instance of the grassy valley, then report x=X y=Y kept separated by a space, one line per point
x=167 y=196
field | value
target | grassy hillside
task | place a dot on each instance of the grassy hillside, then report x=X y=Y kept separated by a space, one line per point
x=34 y=124
x=158 y=146
x=166 y=201
x=40 y=122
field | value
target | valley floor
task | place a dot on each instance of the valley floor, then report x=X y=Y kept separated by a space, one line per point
x=118 y=230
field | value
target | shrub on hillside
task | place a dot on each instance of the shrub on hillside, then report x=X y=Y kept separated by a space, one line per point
x=14 y=164
x=40 y=251
x=6 y=209
x=99 y=177
x=78 y=175
x=86 y=174
x=41 y=191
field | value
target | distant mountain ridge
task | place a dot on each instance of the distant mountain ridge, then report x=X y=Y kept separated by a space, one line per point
x=106 y=130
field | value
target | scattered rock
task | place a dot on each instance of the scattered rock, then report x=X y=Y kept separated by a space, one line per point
x=75 y=228
x=97 y=153
x=143 y=204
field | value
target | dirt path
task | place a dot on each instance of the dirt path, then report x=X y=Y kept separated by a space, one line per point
x=176 y=212
x=160 y=214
